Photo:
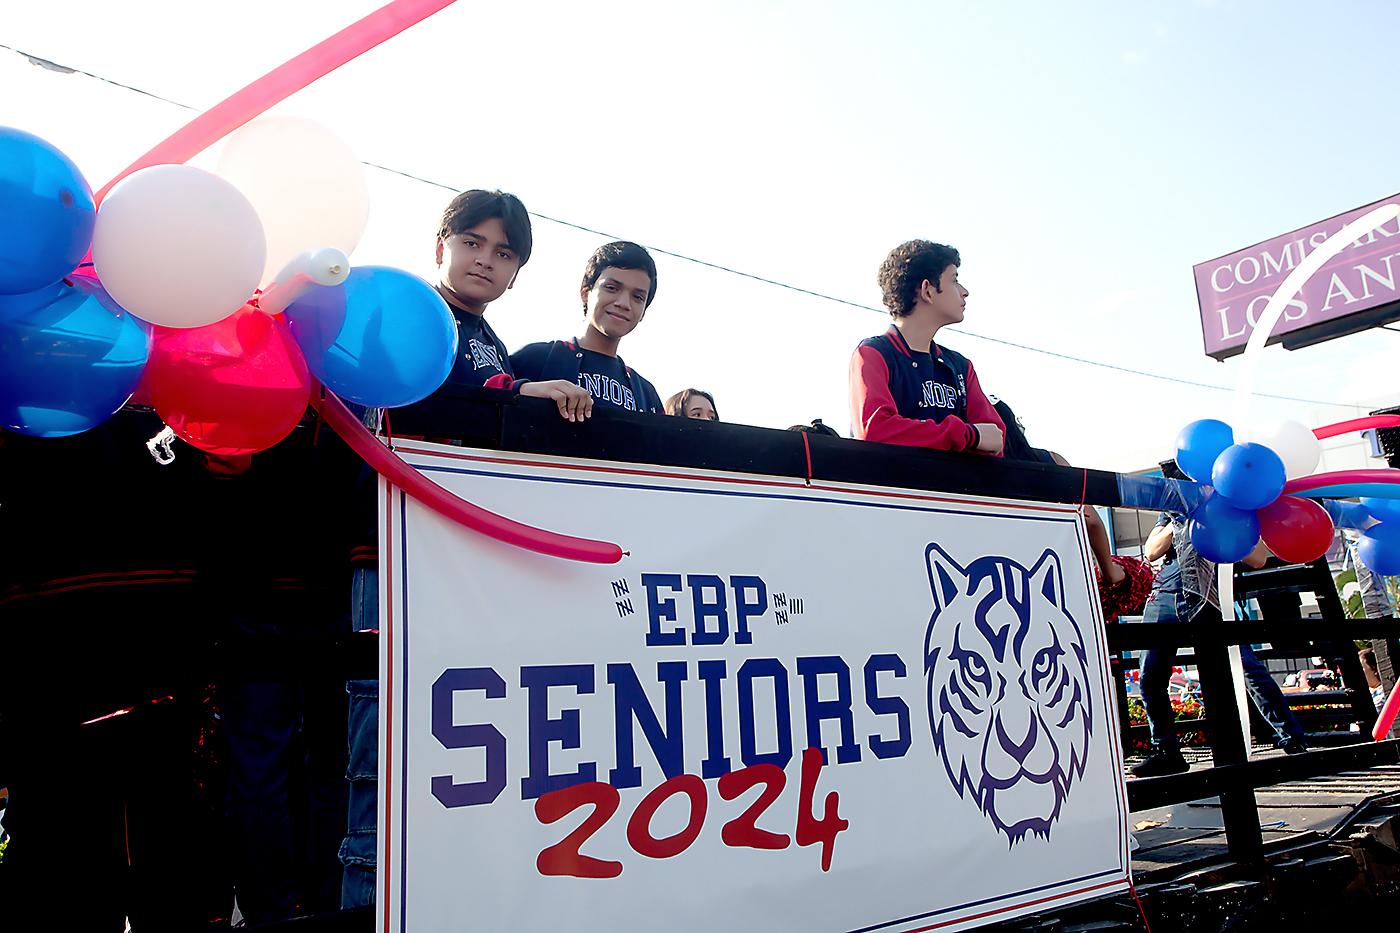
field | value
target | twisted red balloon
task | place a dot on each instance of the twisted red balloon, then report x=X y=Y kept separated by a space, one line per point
x=281 y=82
x=390 y=466
x=1356 y=424
x=1320 y=480
x=1386 y=719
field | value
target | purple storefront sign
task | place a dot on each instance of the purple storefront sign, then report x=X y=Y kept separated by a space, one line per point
x=1357 y=289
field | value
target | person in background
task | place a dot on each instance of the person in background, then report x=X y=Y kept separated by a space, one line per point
x=693 y=403
x=483 y=241
x=1373 y=676
x=1185 y=591
x=816 y=427
x=1113 y=573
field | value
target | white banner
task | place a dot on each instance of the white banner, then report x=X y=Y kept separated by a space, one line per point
x=825 y=707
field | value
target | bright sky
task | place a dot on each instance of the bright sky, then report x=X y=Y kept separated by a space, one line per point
x=1082 y=156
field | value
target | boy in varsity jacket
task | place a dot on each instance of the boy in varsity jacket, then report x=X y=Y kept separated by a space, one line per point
x=619 y=284
x=905 y=388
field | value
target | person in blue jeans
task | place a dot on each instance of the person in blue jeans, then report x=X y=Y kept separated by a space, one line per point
x=1185 y=591
x=357 y=851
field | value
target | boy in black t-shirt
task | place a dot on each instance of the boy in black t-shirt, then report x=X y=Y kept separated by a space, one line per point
x=483 y=241
x=619 y=284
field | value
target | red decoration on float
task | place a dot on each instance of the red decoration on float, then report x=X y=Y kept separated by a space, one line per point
x=230 y=388
x=1298 y=531
x=1356 y=424
x=282 y=82
x=389 y=465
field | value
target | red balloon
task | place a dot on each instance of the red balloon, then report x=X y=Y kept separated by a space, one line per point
x=233 y=387
x=1297 y=530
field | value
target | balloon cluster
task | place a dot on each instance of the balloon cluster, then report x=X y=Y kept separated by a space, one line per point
x=1247 y=501
x=1250 y=497
x=216 y=296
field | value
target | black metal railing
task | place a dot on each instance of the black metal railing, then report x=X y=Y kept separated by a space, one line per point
x=1233 y=777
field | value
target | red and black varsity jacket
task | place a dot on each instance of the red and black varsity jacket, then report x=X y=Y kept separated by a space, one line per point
x=900 y=395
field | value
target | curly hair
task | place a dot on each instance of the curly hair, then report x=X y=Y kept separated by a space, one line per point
x=906 y=268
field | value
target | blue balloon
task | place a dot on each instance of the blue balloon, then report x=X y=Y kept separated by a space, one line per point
x=46 y=213
x=1249 y=475
x=1382 y=509
x=383 y=338
x=1198 y=444
x=1221 y=532
x=1345 y=514
x=1379 y=548
x=69 y=358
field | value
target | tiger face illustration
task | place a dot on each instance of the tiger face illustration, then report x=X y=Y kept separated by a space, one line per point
x=1008 y=688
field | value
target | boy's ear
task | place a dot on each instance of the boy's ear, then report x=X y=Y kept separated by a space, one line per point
x=438 y=254
x=583 y=296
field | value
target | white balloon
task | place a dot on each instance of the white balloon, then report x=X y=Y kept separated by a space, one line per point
x=325 y=266
x=1296 y=445
x=178 y=246
x=304 y=181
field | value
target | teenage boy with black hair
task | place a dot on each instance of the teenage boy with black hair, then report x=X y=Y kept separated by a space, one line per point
x=619 y=284
x=906 y=389
x=482 y=243
x=483 y=240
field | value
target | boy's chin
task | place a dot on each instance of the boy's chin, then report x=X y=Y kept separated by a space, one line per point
x=614 y=333
x=475 y=293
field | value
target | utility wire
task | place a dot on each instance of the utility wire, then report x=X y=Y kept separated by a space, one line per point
x=65 y=69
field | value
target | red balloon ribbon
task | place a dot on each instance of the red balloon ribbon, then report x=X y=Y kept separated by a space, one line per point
x=389 y=465
x=1356 y=424
x=281 y=82
x=1318 y=480
x=1386 y=719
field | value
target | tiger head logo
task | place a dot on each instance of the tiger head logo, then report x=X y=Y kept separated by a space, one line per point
x=1008 y=688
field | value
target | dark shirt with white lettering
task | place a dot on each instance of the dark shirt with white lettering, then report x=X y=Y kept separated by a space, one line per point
x=607 y=378
x=480 y=353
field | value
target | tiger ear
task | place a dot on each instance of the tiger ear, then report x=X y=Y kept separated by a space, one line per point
x=946 y=577
x=1047 y=576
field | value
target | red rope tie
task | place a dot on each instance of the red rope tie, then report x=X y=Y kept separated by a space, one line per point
x=807 y=446
x=388 y=428
x=1132 y=889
